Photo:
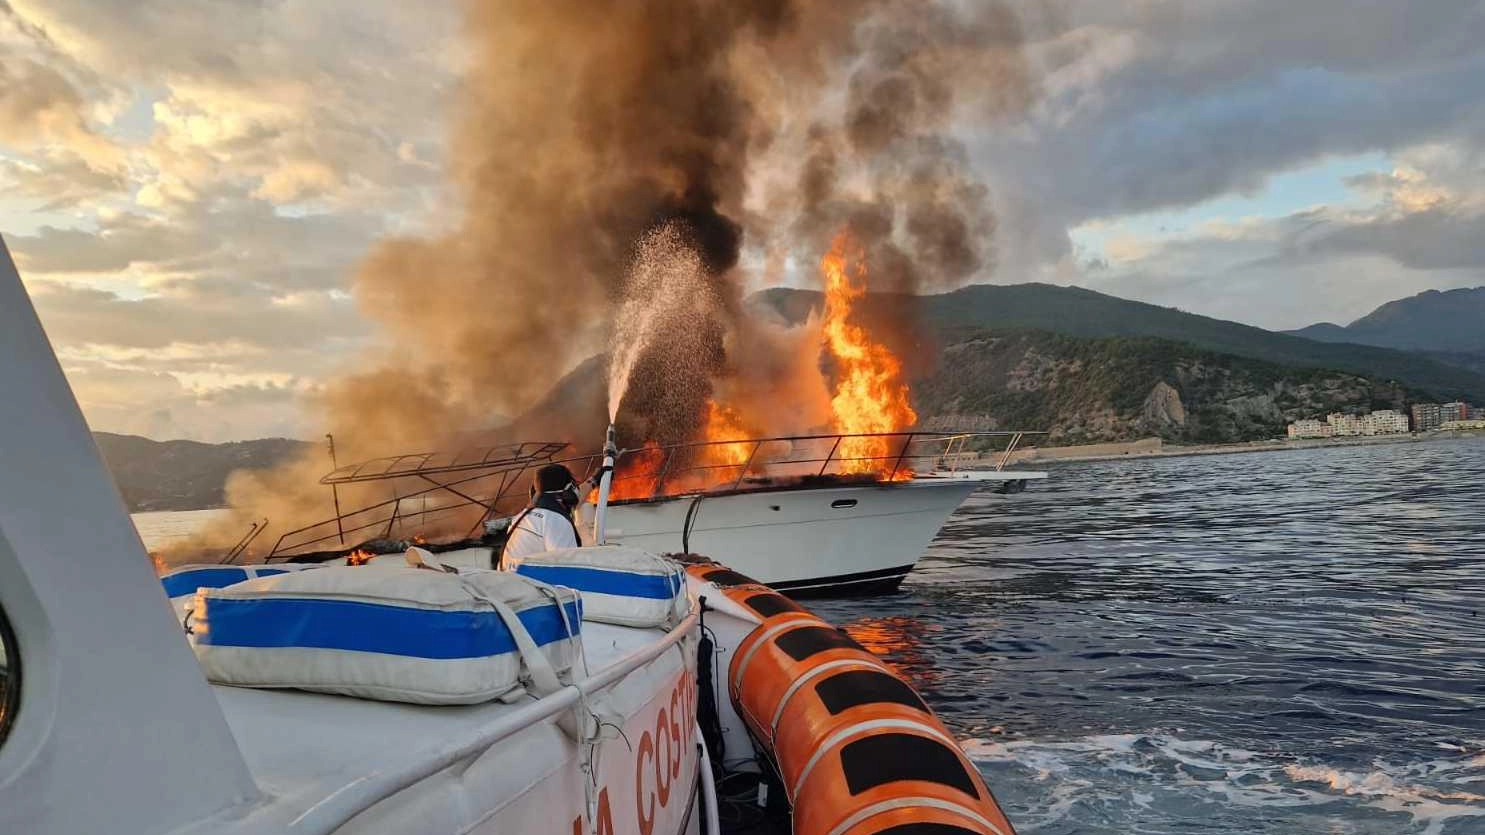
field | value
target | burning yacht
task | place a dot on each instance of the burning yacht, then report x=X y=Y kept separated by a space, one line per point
x=813 y=515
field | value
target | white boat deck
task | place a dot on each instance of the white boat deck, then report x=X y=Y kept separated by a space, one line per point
x=305 y=749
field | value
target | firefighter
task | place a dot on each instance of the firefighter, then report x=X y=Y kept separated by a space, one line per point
x=547 y=522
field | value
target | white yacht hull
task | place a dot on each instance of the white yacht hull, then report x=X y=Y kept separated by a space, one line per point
x=808 y=541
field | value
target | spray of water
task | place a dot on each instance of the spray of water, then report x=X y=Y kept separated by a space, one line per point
x=666 y=295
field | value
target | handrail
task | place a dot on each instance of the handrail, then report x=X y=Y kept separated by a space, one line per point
x=247 y=539
x=362 y=793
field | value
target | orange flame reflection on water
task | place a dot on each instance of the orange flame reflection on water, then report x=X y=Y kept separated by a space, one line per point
x=900 y=643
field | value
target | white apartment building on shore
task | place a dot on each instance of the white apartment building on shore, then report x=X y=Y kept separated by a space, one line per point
x=1385 y=422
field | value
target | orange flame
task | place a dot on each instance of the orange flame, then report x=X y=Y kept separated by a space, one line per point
x=870 y=395
x=724 y=423
x=359 y=556
x=637 y=474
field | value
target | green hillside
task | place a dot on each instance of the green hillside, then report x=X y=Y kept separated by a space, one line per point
x=1120 y=388
x=1074 y=311
x=184 y=475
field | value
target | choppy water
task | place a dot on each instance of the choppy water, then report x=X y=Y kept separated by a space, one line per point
x=1279 y=643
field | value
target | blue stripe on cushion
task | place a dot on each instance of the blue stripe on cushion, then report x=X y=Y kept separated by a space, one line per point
x=186 y=582
x=373 y=627
x=605 y=581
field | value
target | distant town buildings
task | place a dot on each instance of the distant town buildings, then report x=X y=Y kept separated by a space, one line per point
x=1338 y=425
x=1426 y=417
x=1457 y=415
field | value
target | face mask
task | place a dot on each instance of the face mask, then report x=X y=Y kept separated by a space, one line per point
x=568 y=495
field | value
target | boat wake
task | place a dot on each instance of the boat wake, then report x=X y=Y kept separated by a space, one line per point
x=1167 y=784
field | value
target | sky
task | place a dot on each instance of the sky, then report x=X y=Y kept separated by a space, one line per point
x=188 y=187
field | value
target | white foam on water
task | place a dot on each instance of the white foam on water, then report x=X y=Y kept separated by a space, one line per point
x=1146 y=780
x=1382 y=789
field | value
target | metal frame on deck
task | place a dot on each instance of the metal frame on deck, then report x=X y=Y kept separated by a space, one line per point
x=499 y=465
x=486 y=476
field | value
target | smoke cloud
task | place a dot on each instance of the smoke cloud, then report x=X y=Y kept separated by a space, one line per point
x=607 y=153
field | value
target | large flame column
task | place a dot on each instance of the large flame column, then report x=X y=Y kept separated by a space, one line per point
x=605 y=482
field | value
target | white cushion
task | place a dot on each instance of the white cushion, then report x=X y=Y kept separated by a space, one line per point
x=388 y=633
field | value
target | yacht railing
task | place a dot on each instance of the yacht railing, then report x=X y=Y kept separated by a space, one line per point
x=733 y=465
x=459 y=492
x=428 y=491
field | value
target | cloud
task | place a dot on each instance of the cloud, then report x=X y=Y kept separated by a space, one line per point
x=1437 y=237
x=201 y=313
x=1325 y=263
x=1148 y=106
x=296 y=101
x=211 y=174
x=237 y=240
x=57 y=178
x=158 y=405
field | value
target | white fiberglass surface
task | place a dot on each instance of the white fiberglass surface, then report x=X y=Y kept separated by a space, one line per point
x=292 y=739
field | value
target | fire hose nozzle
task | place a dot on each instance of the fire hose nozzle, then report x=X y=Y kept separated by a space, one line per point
x=605 y=481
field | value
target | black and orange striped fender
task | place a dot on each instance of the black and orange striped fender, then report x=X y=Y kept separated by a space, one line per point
x=856 y=748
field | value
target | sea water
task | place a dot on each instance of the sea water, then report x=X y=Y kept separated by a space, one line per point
x=1291 y=642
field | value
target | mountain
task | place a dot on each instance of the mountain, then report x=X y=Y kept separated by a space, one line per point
x=1449 y=321
x=1074 y=311
x=1322 y=332
x=184 y=475
x=1120 y=388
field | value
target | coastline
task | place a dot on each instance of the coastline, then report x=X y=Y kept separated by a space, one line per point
x=1155 y=448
